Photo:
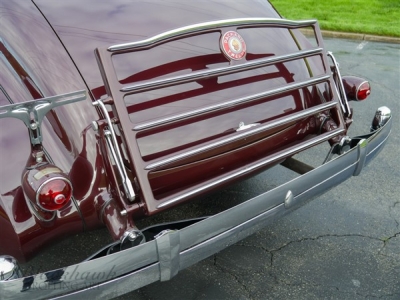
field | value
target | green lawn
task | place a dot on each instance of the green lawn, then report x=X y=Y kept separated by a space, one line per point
x=380 y=17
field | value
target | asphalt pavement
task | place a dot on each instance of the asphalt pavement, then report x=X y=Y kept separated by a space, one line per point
x=343 y=245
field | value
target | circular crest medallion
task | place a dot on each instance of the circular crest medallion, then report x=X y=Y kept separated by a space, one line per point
x=233 y=45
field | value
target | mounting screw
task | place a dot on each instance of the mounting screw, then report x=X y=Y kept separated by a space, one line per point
x=39 y=156
x=34 y=126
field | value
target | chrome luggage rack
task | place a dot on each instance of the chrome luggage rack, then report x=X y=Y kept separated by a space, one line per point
x=117 y=91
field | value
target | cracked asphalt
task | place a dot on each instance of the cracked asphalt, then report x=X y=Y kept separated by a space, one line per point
x=343 y=245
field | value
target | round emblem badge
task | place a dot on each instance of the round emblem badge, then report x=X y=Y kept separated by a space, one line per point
x=233 y=45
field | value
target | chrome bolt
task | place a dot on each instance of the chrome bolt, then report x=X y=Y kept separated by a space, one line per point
x=39 y=156
x=95 y=126
x=132 y=236
x=34 y=126
x=289 y=199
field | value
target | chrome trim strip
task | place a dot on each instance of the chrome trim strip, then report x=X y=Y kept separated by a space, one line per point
x=270 y=125
x=207 y=27
x=273 y=92
x=107 y=135
x=283 y=154
x=162 y=83
x=372 y=153
x=130 y=193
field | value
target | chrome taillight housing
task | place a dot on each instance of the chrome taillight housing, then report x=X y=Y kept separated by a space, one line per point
x=47 y=187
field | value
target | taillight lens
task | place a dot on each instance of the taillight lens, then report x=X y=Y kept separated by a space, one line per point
x=363 y=91
x=356 y=88
x=54 y=194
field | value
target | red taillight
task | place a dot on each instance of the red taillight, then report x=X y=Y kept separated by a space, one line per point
x=54 y=194
x=363 y=91
x=356 y=88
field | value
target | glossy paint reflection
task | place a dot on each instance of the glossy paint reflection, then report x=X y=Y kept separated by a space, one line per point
x=34 y=64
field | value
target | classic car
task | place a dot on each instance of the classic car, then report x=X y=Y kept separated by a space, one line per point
x=112 y=111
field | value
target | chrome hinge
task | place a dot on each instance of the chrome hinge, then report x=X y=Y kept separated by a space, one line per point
x=112 y=143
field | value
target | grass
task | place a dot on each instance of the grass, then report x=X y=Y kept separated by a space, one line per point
x=379 y=17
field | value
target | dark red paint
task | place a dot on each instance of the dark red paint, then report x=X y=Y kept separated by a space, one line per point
x=43 y=66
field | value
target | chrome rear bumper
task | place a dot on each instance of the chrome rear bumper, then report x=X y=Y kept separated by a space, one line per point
x=162 y=258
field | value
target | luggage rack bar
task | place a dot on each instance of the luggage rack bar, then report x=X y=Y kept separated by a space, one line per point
x=133 y=130
x=292 y=118
x=213 y=108
x=259 y=63
x=209 y=27
x=281 y=155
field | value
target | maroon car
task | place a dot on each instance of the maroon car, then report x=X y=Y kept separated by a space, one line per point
x=111 y=111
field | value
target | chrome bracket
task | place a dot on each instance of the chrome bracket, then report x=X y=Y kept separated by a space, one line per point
x=132 y=238
x=345 y=144
x=168 y=249
x=362 y=155
x=33 y=112
x=112 y=143
x=342 y=95
x=242 y=126
x=338 y=149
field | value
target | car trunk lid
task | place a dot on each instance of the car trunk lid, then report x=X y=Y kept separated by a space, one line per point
x=184 y=116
